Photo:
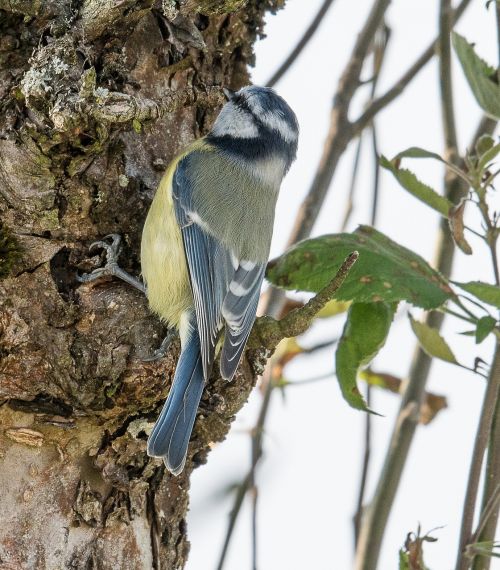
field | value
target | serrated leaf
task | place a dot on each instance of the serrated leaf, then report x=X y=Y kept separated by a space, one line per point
x=484 y=326
x=432 y=342
x=414 y=186
x=385 y=271
x=418 y=152
x=480 y=76
x=364 y=334
x=456 y=223
x=483 y=291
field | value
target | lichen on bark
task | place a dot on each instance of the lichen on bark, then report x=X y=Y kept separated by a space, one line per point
x=96 y=97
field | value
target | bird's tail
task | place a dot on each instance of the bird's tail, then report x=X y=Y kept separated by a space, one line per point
x=170 y=436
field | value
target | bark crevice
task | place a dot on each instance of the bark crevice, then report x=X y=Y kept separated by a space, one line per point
x=96 y=97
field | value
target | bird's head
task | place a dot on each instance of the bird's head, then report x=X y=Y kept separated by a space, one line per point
x=260 y=118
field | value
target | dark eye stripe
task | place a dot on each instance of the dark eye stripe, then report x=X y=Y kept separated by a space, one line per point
x=241 y=102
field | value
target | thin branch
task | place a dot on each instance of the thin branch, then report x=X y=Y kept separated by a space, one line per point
x=255 y=497
x=268 y=332
x=400 y=85
x=491 y=396
x=352 y=187
x=340 y=132
x=301 y=44
x=379 y=52
x=486 y=532
x=376 y=517
x=249 y=479
x=487 y=513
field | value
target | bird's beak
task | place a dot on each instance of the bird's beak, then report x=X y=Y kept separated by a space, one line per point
x=228 y=93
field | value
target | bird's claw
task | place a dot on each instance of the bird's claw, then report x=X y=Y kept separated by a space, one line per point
x=162 y=350
x=112 y=250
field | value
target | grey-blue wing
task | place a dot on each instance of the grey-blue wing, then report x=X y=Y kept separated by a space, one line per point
x=225 y=289
x=239 y=309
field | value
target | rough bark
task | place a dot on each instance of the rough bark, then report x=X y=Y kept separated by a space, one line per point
x=96 y=96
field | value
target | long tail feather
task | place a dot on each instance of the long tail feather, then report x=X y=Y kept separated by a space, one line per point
x=170 y=436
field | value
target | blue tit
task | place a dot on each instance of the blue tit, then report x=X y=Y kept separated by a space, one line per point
x=205 y=246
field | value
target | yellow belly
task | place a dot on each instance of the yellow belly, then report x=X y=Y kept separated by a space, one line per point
x=163 y=260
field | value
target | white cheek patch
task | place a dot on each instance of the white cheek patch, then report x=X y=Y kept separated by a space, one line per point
x=235 y=123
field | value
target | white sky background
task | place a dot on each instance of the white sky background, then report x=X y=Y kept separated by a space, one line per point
x=308 y=480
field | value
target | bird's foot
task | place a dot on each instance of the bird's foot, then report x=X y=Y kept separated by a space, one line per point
x=162 y=350
x=111 y=268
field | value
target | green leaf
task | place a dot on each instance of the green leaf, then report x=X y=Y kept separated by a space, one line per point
x=487 y=157
x=417 y=152
x=481 y=77
x=483 y=291
x=385 y=271
x=364 y=334
x=468 y=333
x=432 y=342
x=486 y=548
x=484 y=326
x=404 y=560
x=414 y=186
x=483 y=144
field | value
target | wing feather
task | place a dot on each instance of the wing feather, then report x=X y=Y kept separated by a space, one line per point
x=225 y=288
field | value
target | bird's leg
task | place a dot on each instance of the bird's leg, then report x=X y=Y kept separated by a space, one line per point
x=163 y=348
x=113 y=251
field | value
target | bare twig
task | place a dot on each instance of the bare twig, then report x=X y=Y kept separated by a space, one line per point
x=268 y=332
x=379 y=51
x=301 y=44
x=400 y=85
x=249 y=479
x=255 y=497
x=340 y=131
x=352 y=187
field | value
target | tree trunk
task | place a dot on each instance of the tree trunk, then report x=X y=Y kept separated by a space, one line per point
x=96 y=97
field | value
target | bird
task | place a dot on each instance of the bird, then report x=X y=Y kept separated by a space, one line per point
x=205 y=246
